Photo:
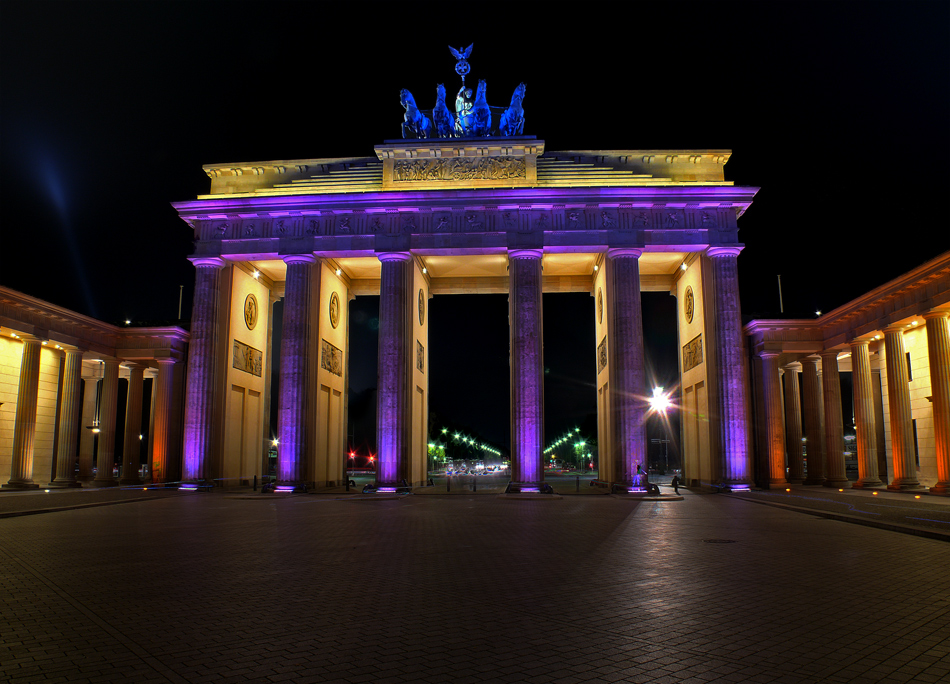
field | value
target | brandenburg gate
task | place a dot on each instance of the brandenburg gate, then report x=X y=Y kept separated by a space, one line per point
x=434 y=216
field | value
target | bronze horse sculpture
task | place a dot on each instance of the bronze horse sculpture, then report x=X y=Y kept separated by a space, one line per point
x=415 y=123
x=512 y=121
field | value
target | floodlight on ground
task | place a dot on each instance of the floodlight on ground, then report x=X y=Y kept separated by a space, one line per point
x=660 y=401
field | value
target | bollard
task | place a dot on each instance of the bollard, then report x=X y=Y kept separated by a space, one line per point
x=255 y=483
x=578 y=488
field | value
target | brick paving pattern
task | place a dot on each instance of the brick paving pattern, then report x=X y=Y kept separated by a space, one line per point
x=466 y=589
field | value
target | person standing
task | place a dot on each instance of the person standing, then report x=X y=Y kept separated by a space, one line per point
x=676 y=484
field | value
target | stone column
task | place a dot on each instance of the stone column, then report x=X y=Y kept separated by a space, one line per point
x=108 y=406
x=774 y=431
x=836 y=475
x=69 y=427
x=626 y=363
x=864 y=415
x=294 y=347
x=132 y=447
x=813 y=437
x=898 y=402
x=161 y=429
x=793 y=424
x=24 y=426
x=87 y=438
x=732 y=382
x=202 y=353
x=938 y=351
x=393 y=409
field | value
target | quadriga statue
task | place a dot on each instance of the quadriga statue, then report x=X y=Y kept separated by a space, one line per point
x=441 y=116
x=512 y=121
x=415 y=123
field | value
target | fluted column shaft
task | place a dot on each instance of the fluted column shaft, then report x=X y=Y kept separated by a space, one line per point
x=393 y=408
x=132 y=447
x=108 y=406
x=731 y=362
x=202 y=354
x=24 y=425
x=527 y=364
x=161 y=428
x=898 y=402
x=864 y=415
x=626 y=363
x=938 y=351
x=836 y=475
x=69 y=421
x=813 y=437
x=294 y=371
x=774 y=430
x=793 y=424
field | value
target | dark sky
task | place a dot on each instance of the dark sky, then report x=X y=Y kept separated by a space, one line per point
x=839 y=112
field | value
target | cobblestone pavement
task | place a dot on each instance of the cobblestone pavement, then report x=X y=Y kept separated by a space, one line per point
x=466 y=589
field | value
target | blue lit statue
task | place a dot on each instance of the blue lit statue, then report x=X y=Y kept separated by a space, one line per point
x=415 y=123
x=512 y=121
x=441 y=116
x=464 y=119
x=481 y=112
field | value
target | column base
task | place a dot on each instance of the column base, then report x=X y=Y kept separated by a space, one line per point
x=85 y=478
x=941 y=489
x=105 y=483
x=809 y=482
x=529 y=488
x=735 y=487
x=797 y=480
x=837 y=484
x=130 y=481
x=20 y=485
x=903 y=485
x=867 y=484
x=64 y=484
x=401 y=487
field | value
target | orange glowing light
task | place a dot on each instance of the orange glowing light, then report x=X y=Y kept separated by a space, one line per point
x=874 y=493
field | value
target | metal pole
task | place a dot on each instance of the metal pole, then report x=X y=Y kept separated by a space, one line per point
x=781 y=306
x=181 y=291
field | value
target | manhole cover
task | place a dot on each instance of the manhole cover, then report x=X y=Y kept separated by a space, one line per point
x=719 y=541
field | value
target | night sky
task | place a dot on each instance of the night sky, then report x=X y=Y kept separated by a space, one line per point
x=839 y=112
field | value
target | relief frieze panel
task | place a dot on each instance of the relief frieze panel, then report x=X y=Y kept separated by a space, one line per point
x=459 y=169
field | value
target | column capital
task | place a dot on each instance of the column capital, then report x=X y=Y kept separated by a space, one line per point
x=618 y=252
x=935 y=314
x=857 y=344
x=166 y=361
x=829 y=353
x=299 y=259
x=525 y=253
x=768 y=354
x=732 y=250
x=207 y=262
x=795 y=366
x=891 y=329
x=394 y=256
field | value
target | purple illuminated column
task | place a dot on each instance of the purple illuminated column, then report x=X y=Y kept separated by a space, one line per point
x=731 y=363
x=898 y=402
x=69 y=421
x=816 y=450
x=774 y=432
x=793 y=424
x=625 y=362
x=864 y=415
x=108 y=407
x=24 y=425
x=836 y=475
x=938 y=352
x=294 y=344
x=527 y=364
x=202 y=352
x=132 y=447
x=393 y=408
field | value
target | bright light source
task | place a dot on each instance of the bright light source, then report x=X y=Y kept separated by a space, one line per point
x=338 y=271
x=257 y=274
x=425 y=270
x=818 y=312
x=128 y=322
x=659 y=402
x=682 y=267
x=874 y=493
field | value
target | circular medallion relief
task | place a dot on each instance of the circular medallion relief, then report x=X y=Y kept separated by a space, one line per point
x=600 y=305
x=334 y=310
x=688 y=305
x=250 y=312
x=422 y=307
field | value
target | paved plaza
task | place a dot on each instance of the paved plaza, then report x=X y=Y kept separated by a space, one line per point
x=465 y=588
